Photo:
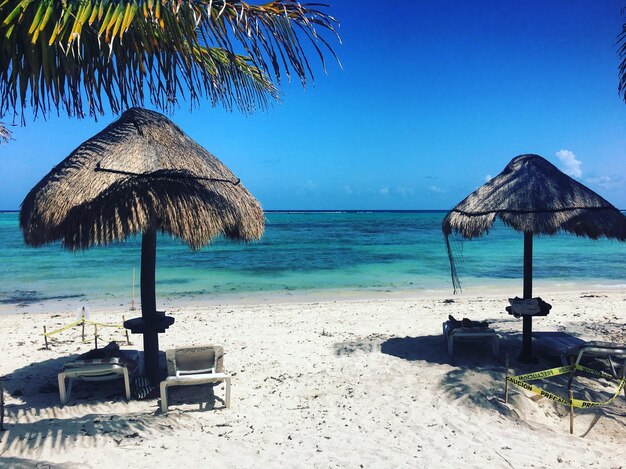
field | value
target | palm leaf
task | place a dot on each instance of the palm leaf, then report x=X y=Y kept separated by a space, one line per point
x=621 y=41
x=5 y=134
x=84 y=55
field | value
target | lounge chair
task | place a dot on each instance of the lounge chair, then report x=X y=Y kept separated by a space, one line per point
x=557 y=344
x=100 y=364
x=564 y=346
x=466 y=330
x=195 y=365
x=96 y=369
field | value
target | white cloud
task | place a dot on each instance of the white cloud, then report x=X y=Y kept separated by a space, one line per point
x=348 y=190
x=307 y=187
x=384 y=190
x=570 y=165
x=404 y=190
x=606 y=182
x=435 y=189
x=488 y=177
x=600 y=180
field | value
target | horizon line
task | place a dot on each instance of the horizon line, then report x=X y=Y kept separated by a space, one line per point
x=331 y=210
x=339 y=210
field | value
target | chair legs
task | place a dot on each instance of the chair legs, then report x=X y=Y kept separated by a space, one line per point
x=188 y=382
x=62 y=391
x=495 y=346
x=127 y=384
x=163 y=396
x=71 y=375
x=227 y=386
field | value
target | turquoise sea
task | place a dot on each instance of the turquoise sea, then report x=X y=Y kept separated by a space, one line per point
x=301 y=253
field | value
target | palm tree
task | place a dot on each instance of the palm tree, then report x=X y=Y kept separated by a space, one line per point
x=84 y=56
x=621 y=41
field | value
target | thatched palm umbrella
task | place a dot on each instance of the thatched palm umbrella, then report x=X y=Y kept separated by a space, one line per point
x=531 y=195
x=141 y=174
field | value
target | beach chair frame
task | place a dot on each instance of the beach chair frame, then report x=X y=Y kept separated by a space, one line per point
x=453 y=334
x=209 y=369
x=92 y=370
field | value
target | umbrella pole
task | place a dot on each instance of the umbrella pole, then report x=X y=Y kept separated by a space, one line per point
x=148 y=305
x=527 y=333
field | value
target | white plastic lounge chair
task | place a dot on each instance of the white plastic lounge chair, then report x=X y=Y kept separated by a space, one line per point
x=454 y=334
x=195 y=365
x=564 y=345
x=96 y=369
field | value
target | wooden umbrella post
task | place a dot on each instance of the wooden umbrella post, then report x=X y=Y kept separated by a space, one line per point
x=45 y=337
x=95 y=335
x=527 y=333
x=148 y=305
x=151 y=323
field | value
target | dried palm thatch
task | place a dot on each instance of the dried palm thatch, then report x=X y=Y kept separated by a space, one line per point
x=531 y=195
x=141 y=172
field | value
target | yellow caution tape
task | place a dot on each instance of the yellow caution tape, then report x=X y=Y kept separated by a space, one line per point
x=103 y=324
x=521 y=382
x=82 y=321
x=601 y=374
x=587 y=404
x=561 y=371
x=536 y=390
x=69 y=326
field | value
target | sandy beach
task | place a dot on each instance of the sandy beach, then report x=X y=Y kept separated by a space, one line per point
x=349 y=383
x=305 y=186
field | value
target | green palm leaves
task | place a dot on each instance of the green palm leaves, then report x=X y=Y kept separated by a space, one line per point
x=85 y=55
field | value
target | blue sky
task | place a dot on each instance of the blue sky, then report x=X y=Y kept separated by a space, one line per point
x=433 y=97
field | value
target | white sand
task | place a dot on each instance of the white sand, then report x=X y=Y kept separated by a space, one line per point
x=352 y=383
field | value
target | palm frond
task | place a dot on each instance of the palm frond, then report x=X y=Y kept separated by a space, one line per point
x=621 y=41
x=5 y=134
x=84 y=55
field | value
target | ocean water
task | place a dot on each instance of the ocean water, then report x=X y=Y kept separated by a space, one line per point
x=301 y=253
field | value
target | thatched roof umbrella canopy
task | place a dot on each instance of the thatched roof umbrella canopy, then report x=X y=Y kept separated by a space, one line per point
x=141 y=174
x=533 y=196
x=176 y=186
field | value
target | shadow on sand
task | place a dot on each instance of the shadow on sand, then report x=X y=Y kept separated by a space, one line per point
x=22 y=463
x=478 y=377
x=96 y=411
